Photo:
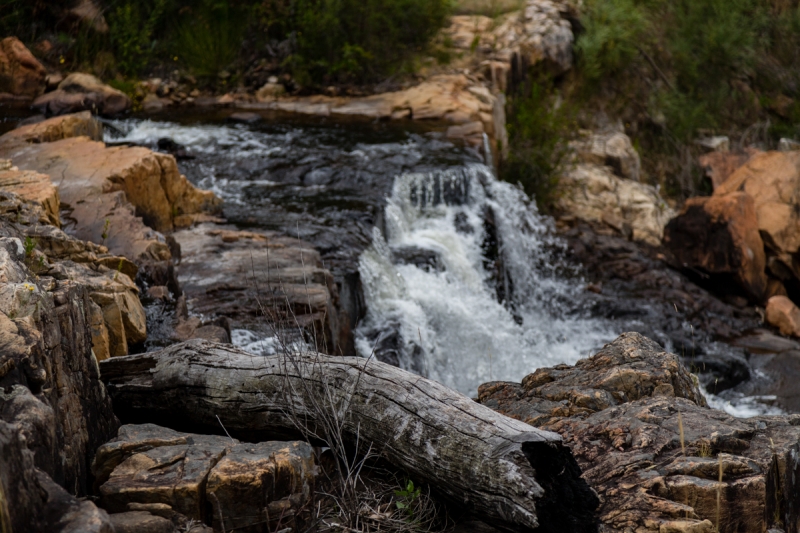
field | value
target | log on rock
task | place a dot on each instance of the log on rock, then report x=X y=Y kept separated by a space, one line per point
x=507 y=473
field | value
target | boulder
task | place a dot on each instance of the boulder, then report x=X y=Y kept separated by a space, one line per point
x=718 y=236
x=241 y=275
x=772 y=179
x=594 y=194
x=653 y=451
x=82 y=92
x=119 y=197
x=248 y=486
x=20 y=73
x=30 y=185
x=612 y=149
x=141 y=522
x=783 y=314
x=718 y=166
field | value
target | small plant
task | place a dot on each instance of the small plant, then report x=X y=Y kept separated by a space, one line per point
x=30 y=244
x=704 y=449
x=407 y=497
x=106 y=226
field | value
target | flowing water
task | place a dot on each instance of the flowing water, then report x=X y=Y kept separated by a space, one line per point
x=463 y=280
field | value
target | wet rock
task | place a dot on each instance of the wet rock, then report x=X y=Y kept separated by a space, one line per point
x=244 y=275
x=20 y=73
x=250 y=486
x=82 y=92
x=783 y=314
x=595 y=194
x=612 y=149
x=140 y=522
x=654 y=453
x=719 y=237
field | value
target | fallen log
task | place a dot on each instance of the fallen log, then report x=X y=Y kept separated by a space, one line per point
x=505 y=472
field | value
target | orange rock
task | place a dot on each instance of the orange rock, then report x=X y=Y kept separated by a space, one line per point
x=784 y=315
x=20 y=73
x=773 y=180
x=35 y=187
x=719 y=236
x=719 y=166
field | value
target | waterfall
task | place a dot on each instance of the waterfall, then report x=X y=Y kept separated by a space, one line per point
x=463 y=283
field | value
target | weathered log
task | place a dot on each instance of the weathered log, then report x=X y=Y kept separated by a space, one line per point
x=507 y=473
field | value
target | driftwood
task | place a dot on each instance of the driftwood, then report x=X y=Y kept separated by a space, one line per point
x=506 y=472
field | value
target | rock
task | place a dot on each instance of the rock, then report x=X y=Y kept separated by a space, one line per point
x=88 y=13
x=55 y=129
x=613 y=150
x=152 y=103
x=719 y=237
x=270 y=91
x=148 y=464
x=783 y=314
x=20 y=73
x=83 y=92
x=33 y=186
x=719 y=166
x=241 y=275
x=594 y=194
x=106 y=189
x=788 y=145
x=265 y=483
x=772 y=179
x=715 y=144
x=140 y=522
x=653 y=451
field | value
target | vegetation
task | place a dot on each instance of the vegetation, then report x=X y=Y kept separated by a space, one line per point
x=671 y=71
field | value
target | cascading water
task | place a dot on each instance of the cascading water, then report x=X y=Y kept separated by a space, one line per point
x=464 y=281
x=440 y=305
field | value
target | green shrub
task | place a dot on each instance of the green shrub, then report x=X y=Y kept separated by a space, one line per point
x=132 y=27
x=353 y=40
x=210 y=37
x=539 y=127
x=613 y=31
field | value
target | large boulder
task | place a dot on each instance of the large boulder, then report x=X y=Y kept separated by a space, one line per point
x=718 y=236
x=772 y=179
x=595 y=194
x=81 y=92
x=241 y=486
x=20 y=73
x=782 y=313
x=640 y=430
x=119 y=197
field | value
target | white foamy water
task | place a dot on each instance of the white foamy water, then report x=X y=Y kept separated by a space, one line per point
x=452 y=328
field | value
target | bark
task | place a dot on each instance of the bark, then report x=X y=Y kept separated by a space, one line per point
x=507 y=473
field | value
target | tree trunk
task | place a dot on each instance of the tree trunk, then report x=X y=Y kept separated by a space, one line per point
x=507 y=473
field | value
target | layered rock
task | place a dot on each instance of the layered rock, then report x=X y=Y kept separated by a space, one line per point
x=119 y=197
x=719 y=236
x=237 y=486
x=21 y=74
x=261 y=281
x=31 y=186
x=612 y=149
x=593 y=193
x=82 y=92
x=657 y=456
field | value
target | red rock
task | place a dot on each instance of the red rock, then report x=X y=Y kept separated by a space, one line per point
x=20 y=73
x=718 y=236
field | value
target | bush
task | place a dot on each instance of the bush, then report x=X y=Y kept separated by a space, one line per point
x=539 y=127
x=209 y=41
x=353 y=40
x=132 y=26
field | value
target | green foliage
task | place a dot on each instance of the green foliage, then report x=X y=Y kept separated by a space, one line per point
x=209 y=39
x=406 y=497
x=539 y=126
x=352 y=40
x=30 y=244
x=613 y=31
x=132 y=26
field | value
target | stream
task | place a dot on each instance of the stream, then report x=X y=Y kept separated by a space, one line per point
x=463 y=280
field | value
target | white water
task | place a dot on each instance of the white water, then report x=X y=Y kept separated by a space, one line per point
x=452 y=328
